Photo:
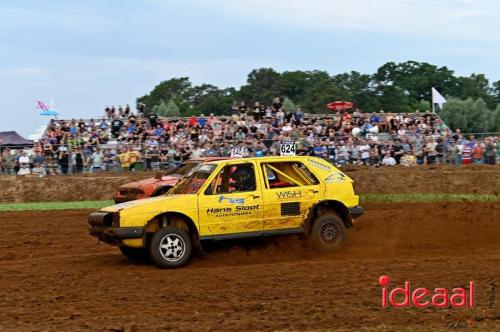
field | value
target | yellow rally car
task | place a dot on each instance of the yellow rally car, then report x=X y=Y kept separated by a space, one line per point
x=233 y=198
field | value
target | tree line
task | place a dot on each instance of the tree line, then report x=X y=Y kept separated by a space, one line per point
x=473 y=101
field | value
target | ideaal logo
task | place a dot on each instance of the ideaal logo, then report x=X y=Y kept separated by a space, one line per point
x=458 y=297
x=289 y=194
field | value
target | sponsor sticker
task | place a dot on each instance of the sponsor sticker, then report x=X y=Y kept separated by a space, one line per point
x=335 y=178
x=240 y=210
x=231 y=200
x=319 y=165
x=237 y=152
x=289 y=194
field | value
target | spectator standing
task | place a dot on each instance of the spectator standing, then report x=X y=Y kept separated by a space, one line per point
x=63 y=157
x=97 y=161
x=124 y=158
x=489 y=152
x=466 y=153
x=134 y=159
x=79 y=161
x=116 y=126
x=477 y=154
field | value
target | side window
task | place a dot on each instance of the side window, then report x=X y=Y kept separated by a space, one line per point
x=287 y=174
x=232 y=179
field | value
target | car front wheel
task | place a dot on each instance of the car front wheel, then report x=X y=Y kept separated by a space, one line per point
x=328 y=232
x=170 y=247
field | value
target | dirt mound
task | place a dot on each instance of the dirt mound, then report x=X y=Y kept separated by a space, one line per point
x=56 y=277
x=368 y=180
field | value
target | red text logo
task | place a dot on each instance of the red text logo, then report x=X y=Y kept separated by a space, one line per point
x=404 y=297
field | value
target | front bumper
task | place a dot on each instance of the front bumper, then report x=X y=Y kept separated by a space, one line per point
x=356 y=211
x=101 y=226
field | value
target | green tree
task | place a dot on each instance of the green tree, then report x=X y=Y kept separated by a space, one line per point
x=289 y=105
x=496 y=119
x=168 y=109
x=177 y=88
x=480 y=117
x=417 y=78
x=207 y=98
x=295 y=84
x=320 y=94
x=171 y=109
x=262 y=84
x=394 y=99
x=360 y=89
x=160 y=109
x=476 y=86
x=454 y=113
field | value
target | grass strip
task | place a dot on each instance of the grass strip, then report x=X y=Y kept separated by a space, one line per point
x=44 y=206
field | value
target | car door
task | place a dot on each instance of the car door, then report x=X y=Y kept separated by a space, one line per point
x=289 y=190
x=231 y=204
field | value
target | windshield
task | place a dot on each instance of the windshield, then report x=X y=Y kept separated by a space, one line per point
x=183 y=169
x=193 y=182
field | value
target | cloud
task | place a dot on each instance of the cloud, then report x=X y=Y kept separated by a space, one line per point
x=438 y=18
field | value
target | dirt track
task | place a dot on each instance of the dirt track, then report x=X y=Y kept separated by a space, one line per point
x=54 y=276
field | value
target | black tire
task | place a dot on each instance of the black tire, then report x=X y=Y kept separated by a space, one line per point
x=328 y=232
x=135 y=254
x=179 y=252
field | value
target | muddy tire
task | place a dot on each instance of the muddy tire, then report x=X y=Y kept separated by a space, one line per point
x=328 y=232
x=170 y=247
x=135 y=254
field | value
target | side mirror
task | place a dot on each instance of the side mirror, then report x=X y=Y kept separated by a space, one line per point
x=158 y=176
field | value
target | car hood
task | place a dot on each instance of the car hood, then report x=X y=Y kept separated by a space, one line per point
x=150 y=205
x=148 y=183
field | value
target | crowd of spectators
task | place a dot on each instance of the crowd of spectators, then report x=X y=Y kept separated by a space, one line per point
x=127 y=140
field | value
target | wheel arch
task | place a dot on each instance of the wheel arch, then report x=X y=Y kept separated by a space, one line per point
x=172 y=218
x=328 y=205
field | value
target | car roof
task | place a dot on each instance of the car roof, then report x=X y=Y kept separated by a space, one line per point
x=266 y=159
x=207 y=159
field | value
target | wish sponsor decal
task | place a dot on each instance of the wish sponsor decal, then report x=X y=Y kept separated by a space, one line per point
x=289 y=194
x=231 y=200
x=335 y=178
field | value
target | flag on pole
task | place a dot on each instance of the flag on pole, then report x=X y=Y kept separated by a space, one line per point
x=437 y=98
x=46 y=110
x=41 y=106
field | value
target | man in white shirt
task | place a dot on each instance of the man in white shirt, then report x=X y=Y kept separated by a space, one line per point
x=24 y=159
x=388 y=160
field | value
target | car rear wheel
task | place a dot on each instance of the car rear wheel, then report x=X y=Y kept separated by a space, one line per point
x=328 y=232
x=135 y=254
x=170 y=247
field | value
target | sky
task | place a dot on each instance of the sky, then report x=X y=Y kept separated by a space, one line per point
x=88 y=54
